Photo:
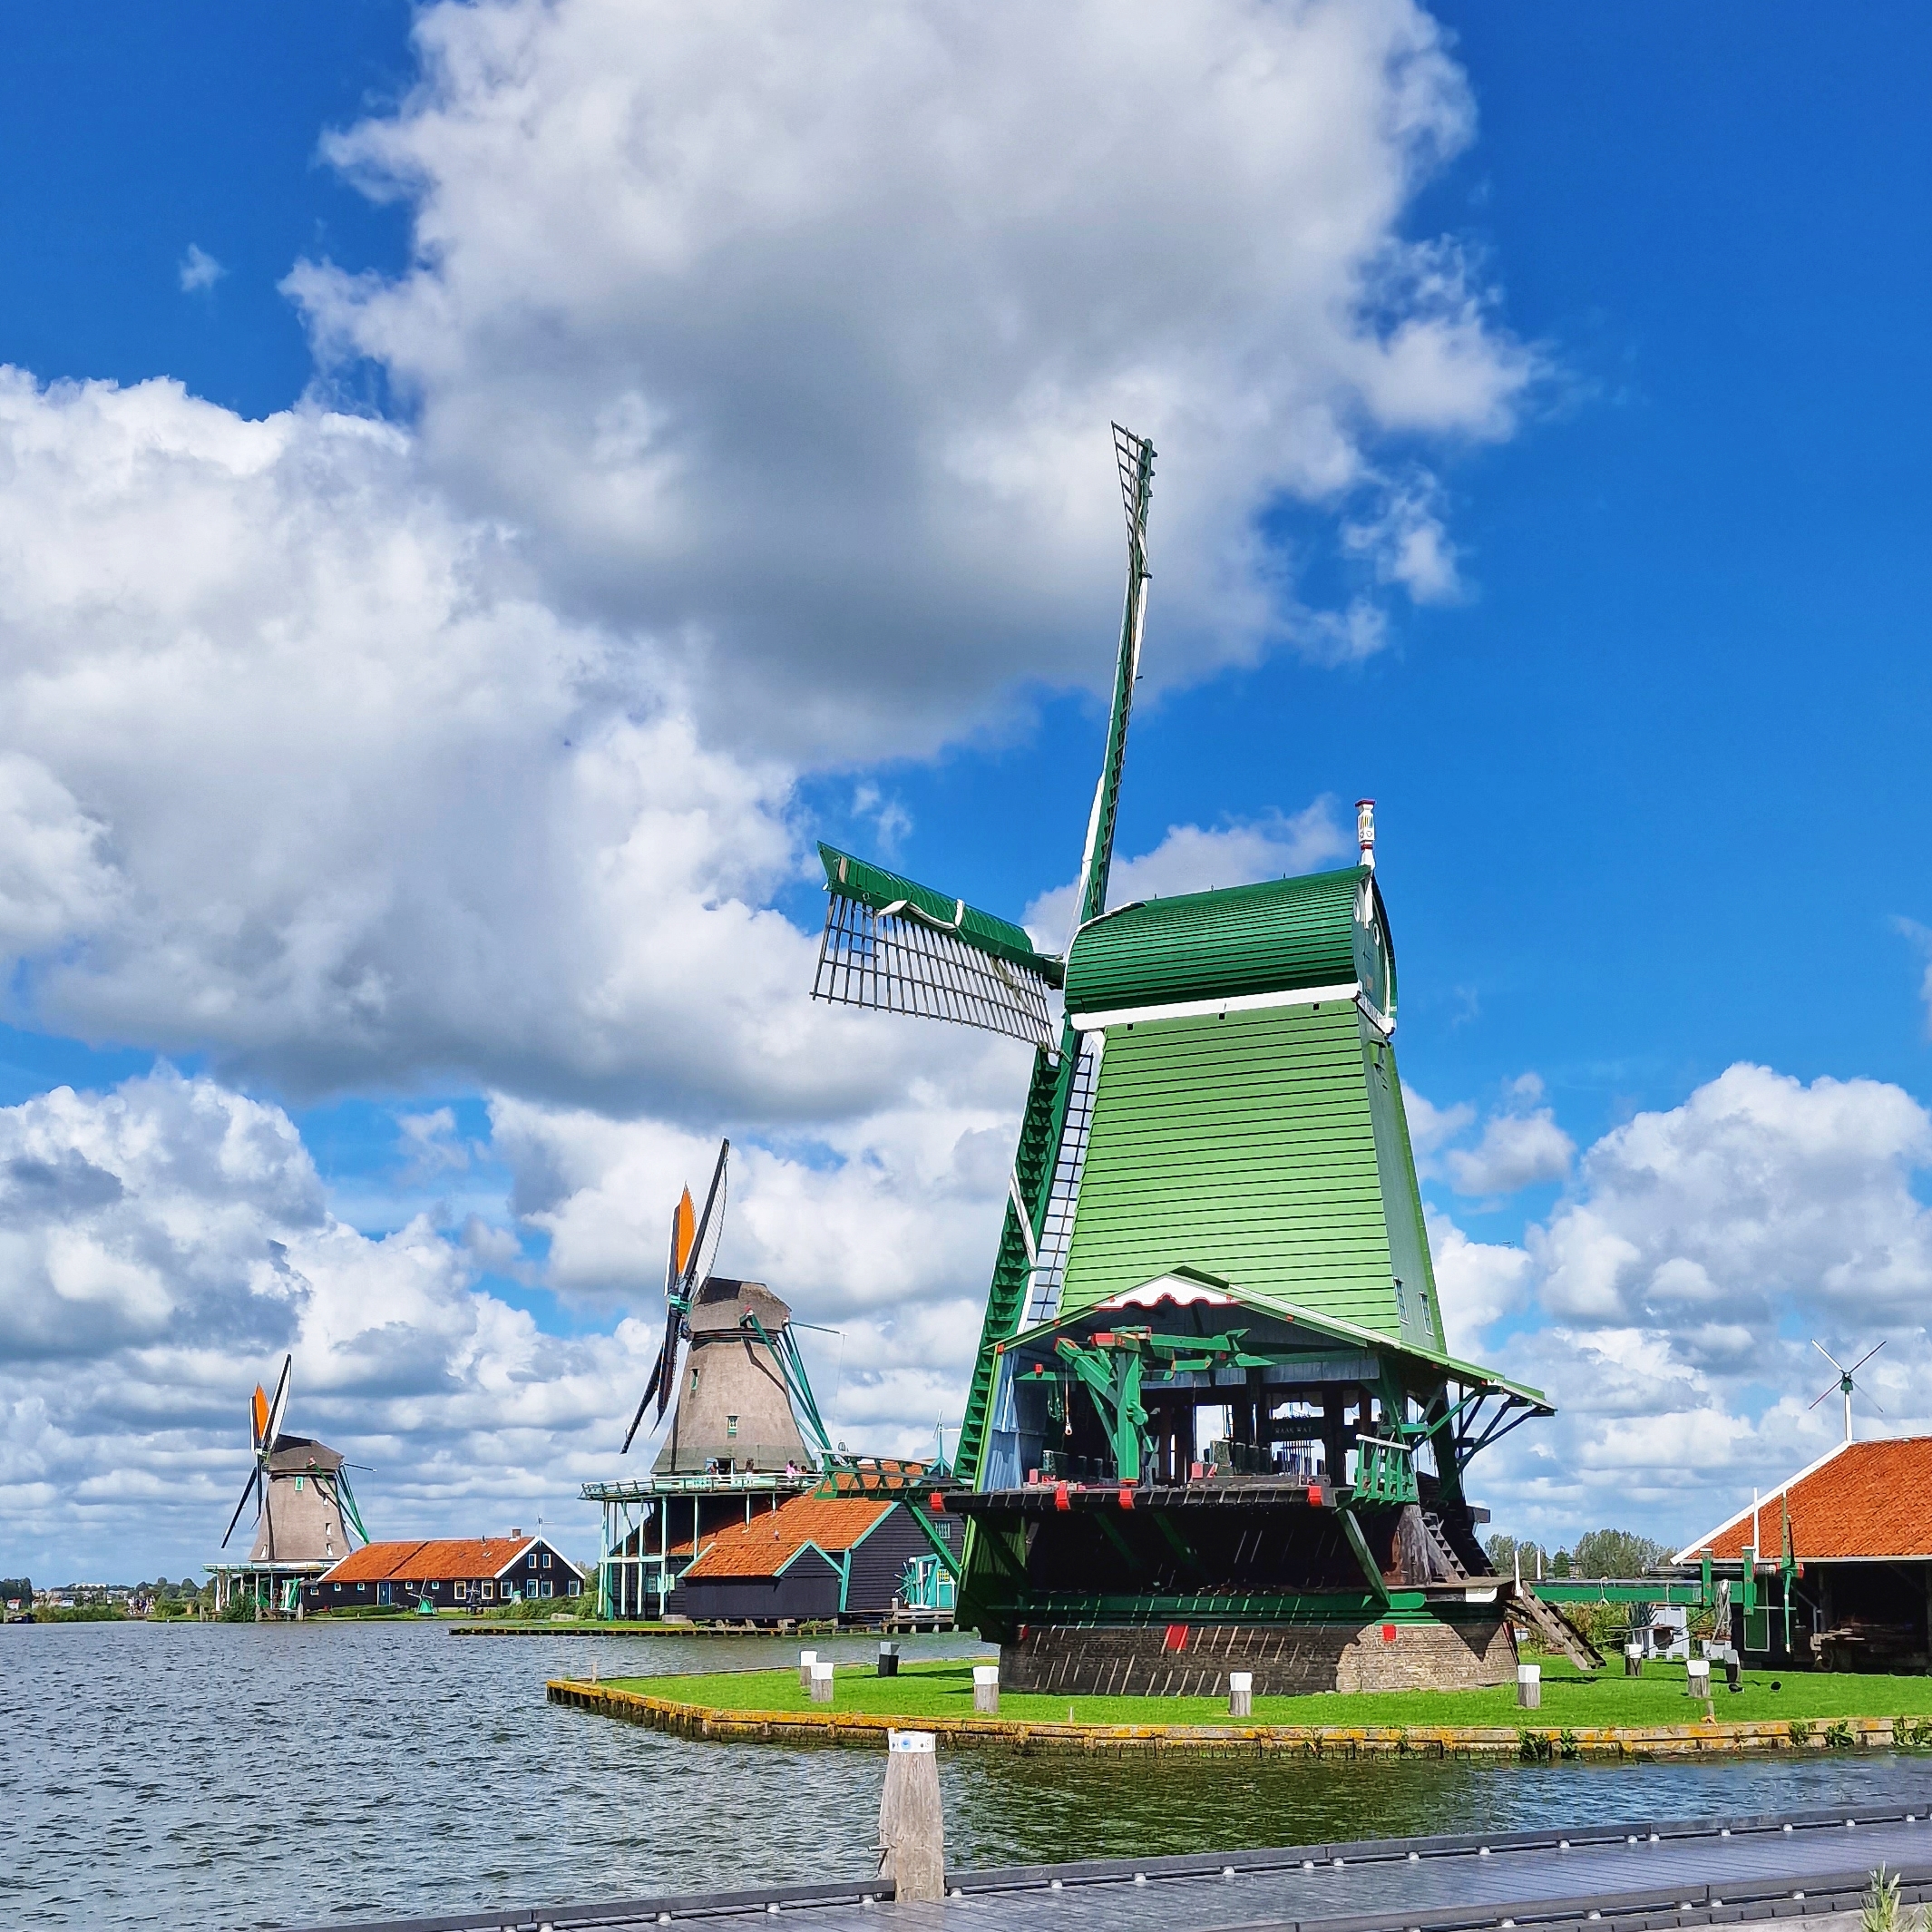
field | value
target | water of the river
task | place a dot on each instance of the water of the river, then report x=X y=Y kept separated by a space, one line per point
x=234 y=1775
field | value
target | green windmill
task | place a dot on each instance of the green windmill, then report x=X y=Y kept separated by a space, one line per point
x=1213 y=1423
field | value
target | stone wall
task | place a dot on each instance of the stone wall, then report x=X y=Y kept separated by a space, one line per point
x=1181 y=1661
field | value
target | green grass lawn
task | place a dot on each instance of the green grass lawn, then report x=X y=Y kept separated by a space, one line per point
x=1571 y=1699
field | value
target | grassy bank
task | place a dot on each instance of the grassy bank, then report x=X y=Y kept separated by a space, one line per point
x=1571 y=1699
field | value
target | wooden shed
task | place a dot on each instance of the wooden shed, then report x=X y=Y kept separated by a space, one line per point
x=814 y=1558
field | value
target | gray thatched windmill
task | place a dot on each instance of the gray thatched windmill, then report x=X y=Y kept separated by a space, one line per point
x=728 y=1359
x=305 y=1517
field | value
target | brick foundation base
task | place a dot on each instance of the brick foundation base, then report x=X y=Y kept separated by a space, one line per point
x=1181 y=1661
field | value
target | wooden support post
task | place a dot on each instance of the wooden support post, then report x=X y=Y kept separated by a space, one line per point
x=1529 y=1686
x=821 y=1682
x=986 y=1689
x=1632 y=1660
x=1371 y=1570
x=1697 y=1678
x=806 y=1659
x=1241 y=1693
x=911 y=1820
x=1334 y=1439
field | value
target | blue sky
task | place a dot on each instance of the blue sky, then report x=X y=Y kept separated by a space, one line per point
x=1647 y=760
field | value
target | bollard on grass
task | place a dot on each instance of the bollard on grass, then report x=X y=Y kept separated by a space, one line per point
x=1529 y=1686
x=806 y=1659
x=821 y=1682
x=986 y=1689
x=888 y=1659
x=1632 y=1660
x=1241 y=1693
x=1697 y=1677
x=912 y=1822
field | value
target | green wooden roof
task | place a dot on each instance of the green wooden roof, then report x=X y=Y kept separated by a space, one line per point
x=1278 y=936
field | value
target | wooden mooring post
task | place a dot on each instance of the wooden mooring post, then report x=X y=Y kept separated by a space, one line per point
x=1241 y=1693
x=986 y=1689
x=911 y=1820
x=1529 y=1686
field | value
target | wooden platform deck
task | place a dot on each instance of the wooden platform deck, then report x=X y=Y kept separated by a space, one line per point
x=1810 y=1868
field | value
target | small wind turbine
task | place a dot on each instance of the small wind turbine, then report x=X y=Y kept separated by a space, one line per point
x=1845 y=1384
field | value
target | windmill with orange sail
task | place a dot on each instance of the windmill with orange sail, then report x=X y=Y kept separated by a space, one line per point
x=693 y=1248
x=305 y=1517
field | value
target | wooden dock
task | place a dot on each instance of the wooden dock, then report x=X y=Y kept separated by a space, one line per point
x=1810 y=1868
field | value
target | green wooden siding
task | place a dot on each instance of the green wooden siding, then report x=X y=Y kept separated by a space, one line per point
x=1247 y=1147
x=1421 y=1314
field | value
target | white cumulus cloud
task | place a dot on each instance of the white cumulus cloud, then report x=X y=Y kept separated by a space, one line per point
x=1678 y=1284
x=790 y=334
x=165 y=1245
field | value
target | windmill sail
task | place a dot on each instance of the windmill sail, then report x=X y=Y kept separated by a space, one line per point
x=1135 y=456
x=693 y=1249
x=898 y=947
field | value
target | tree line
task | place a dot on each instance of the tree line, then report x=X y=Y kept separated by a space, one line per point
x=1596 y=1553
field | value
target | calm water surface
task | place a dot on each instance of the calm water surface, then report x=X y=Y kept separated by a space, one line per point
x=237 y=1775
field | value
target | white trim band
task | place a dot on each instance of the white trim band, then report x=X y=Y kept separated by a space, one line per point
x=1127 y=1015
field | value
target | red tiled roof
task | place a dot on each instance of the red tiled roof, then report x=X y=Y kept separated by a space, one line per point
x=437 y=1561
x=763 y=1547
x=1865 y=1500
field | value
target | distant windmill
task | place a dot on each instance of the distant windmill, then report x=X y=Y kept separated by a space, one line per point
x=738 y=1405
x=306 y=1517
x=1844 y=1384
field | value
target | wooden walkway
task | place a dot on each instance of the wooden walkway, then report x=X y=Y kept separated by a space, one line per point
x=1809 y=1866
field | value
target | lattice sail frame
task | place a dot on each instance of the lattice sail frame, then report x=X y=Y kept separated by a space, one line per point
x=895 y=946
x=905 y=961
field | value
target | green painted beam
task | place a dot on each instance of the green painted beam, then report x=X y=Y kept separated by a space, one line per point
x=1615 y=1590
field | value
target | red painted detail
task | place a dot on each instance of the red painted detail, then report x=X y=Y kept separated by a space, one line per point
x=1314 y=1495
x=1177 y=1638
x=936 y=1503
x=1126 y=1496
x=1387 y=1632
x=1059 y=1496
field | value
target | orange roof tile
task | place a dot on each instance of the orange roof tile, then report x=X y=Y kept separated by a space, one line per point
x=763 y=1547
x=1863 y=1500
x=436 y=1561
